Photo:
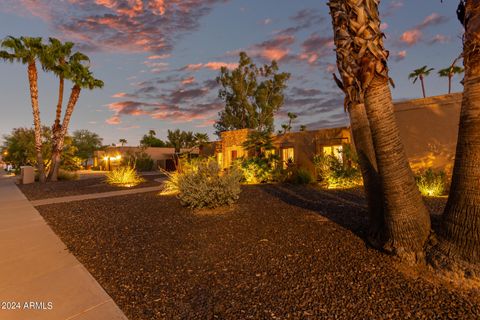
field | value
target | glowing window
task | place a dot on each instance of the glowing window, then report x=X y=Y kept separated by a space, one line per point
x=288 y=156
x=335 y=151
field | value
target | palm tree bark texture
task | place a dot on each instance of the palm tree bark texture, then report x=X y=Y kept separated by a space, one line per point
x=33 y=81
x=459 y=237
x=363 y=61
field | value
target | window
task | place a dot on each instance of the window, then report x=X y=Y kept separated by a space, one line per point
x=336 y=151
x=234 y=155
x=288 y=156
x=220 y=159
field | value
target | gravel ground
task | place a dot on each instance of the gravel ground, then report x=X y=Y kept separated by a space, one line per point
x=283 y=252
x=37 y=191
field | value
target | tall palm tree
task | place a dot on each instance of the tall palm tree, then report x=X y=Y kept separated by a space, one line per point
x=420 y=73
x=27 y=50
x=362 y=58
x=459 y=236
x=122 y=141
x=152 y=133
x=82 y=78
x=450 y=72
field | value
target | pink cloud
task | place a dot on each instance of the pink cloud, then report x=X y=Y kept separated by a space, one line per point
x=400 y=55
x=277 y=48
x=439 y=38
x=115 y=120
x=159 y=56
x=411 y=37
x=120 y=95
x=188 y=80
x=383 y=26
x=213 y=65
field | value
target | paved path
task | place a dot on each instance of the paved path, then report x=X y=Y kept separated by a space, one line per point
x=90 y=196
x=36 y=270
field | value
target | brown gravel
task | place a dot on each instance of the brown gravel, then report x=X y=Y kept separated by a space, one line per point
x=281 y=253
x=37 y=191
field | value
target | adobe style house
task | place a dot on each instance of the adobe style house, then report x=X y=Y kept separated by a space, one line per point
x=112 y=156
x=428 y=129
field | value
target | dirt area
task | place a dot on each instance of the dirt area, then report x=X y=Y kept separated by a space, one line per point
x=282 y=252
x=37 y=191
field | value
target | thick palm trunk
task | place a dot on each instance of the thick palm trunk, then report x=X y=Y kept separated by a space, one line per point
x=33 y=81
x=407 y=221
x=459 y=236
x=56 y=125
x=56 y=157
x=362 y=138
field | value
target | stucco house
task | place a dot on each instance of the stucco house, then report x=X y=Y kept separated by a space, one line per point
x=428 y=129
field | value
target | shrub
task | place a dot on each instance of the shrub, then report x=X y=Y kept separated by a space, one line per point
x=202 y=184
x=124 y=177
x=141 y=161
x=67 y=175
x=256 y=170
x=300 y=176
x=334 y=174
x=431 y=183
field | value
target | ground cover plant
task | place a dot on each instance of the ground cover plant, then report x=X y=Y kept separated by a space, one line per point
x=123 y=177
x=334 y=174
x=432 y=183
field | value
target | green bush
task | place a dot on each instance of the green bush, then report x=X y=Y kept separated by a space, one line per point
x=202 y=184
x=257 y=170
x=334 y=174
x=431 y=183
x=301 y=176
x=141 y=161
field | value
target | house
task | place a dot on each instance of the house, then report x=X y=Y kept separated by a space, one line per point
x=428 y=129
x=113 y=157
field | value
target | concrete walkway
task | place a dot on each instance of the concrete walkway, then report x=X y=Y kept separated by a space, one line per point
x=39 y=278
x=90 y=196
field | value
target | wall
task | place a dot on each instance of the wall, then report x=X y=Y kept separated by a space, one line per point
x=428 y=129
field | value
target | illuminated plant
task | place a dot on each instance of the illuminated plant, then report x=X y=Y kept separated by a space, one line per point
x=124 y=177
x=431 y=183
x=334 y=174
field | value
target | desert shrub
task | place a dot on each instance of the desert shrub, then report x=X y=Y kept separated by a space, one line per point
x=65 y=175
x=123 y=177
x=257 y=170
x=300 y=176
x=334 y=174
x=431 y=183
x=202 y=184
x=141 y=161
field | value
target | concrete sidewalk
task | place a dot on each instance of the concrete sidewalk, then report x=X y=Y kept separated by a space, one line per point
x=39 y=278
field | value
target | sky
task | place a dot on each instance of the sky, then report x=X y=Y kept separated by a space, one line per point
x=159 y=58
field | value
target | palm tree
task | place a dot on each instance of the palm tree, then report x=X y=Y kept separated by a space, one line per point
x=152 y=133
x=200 y=139
x=459 y=236
x=82 y=78
x=450 y=72
x=122 y=141
x=26 y=50
x=420 y=73
x=362 y=60
x=175 y=139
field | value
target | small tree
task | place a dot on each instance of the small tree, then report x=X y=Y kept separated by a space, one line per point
x=87 y=143
x=449 y=72
x=420 y=73
x=150 y=140
x=122 y=141
x=252 y=96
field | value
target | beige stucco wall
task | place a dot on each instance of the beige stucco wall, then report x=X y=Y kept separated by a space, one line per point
x=428 y=129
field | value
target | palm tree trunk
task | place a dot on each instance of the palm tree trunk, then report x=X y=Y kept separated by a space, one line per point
x=33 y=81
x=423 y=86
x=459 y=236
x=450 y=83
x=407 y=221
x=362 y=138
x=72 y=101
x=56 y=125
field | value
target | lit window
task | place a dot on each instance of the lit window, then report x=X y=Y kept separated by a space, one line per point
x=288 y=156
x=220 y=159
x=335 y=151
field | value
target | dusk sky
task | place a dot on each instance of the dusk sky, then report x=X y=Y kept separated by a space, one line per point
x=159 y=58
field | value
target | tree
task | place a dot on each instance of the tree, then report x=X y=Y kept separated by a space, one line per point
x=86 y=143
x=21 y=149
x=26 y=51
x=303 y=128
x=258 y=142
x=449 y=72
x=150 y=140
x=287 y=127
x=459 y=236
x=122 y=141
x=420 y=73
x=252 y=96
x=180 y=139
x=362 y=60
x=82 y=78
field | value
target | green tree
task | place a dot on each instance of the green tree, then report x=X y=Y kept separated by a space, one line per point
x=258 y=142
x=27 y=50
x=420 y=73
x=252 y=96
x=287 y=127
x=150 y=140
x=86 y=143
x=82 y=78
x=180 y=139
x=122 y=141
x=449 y=72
